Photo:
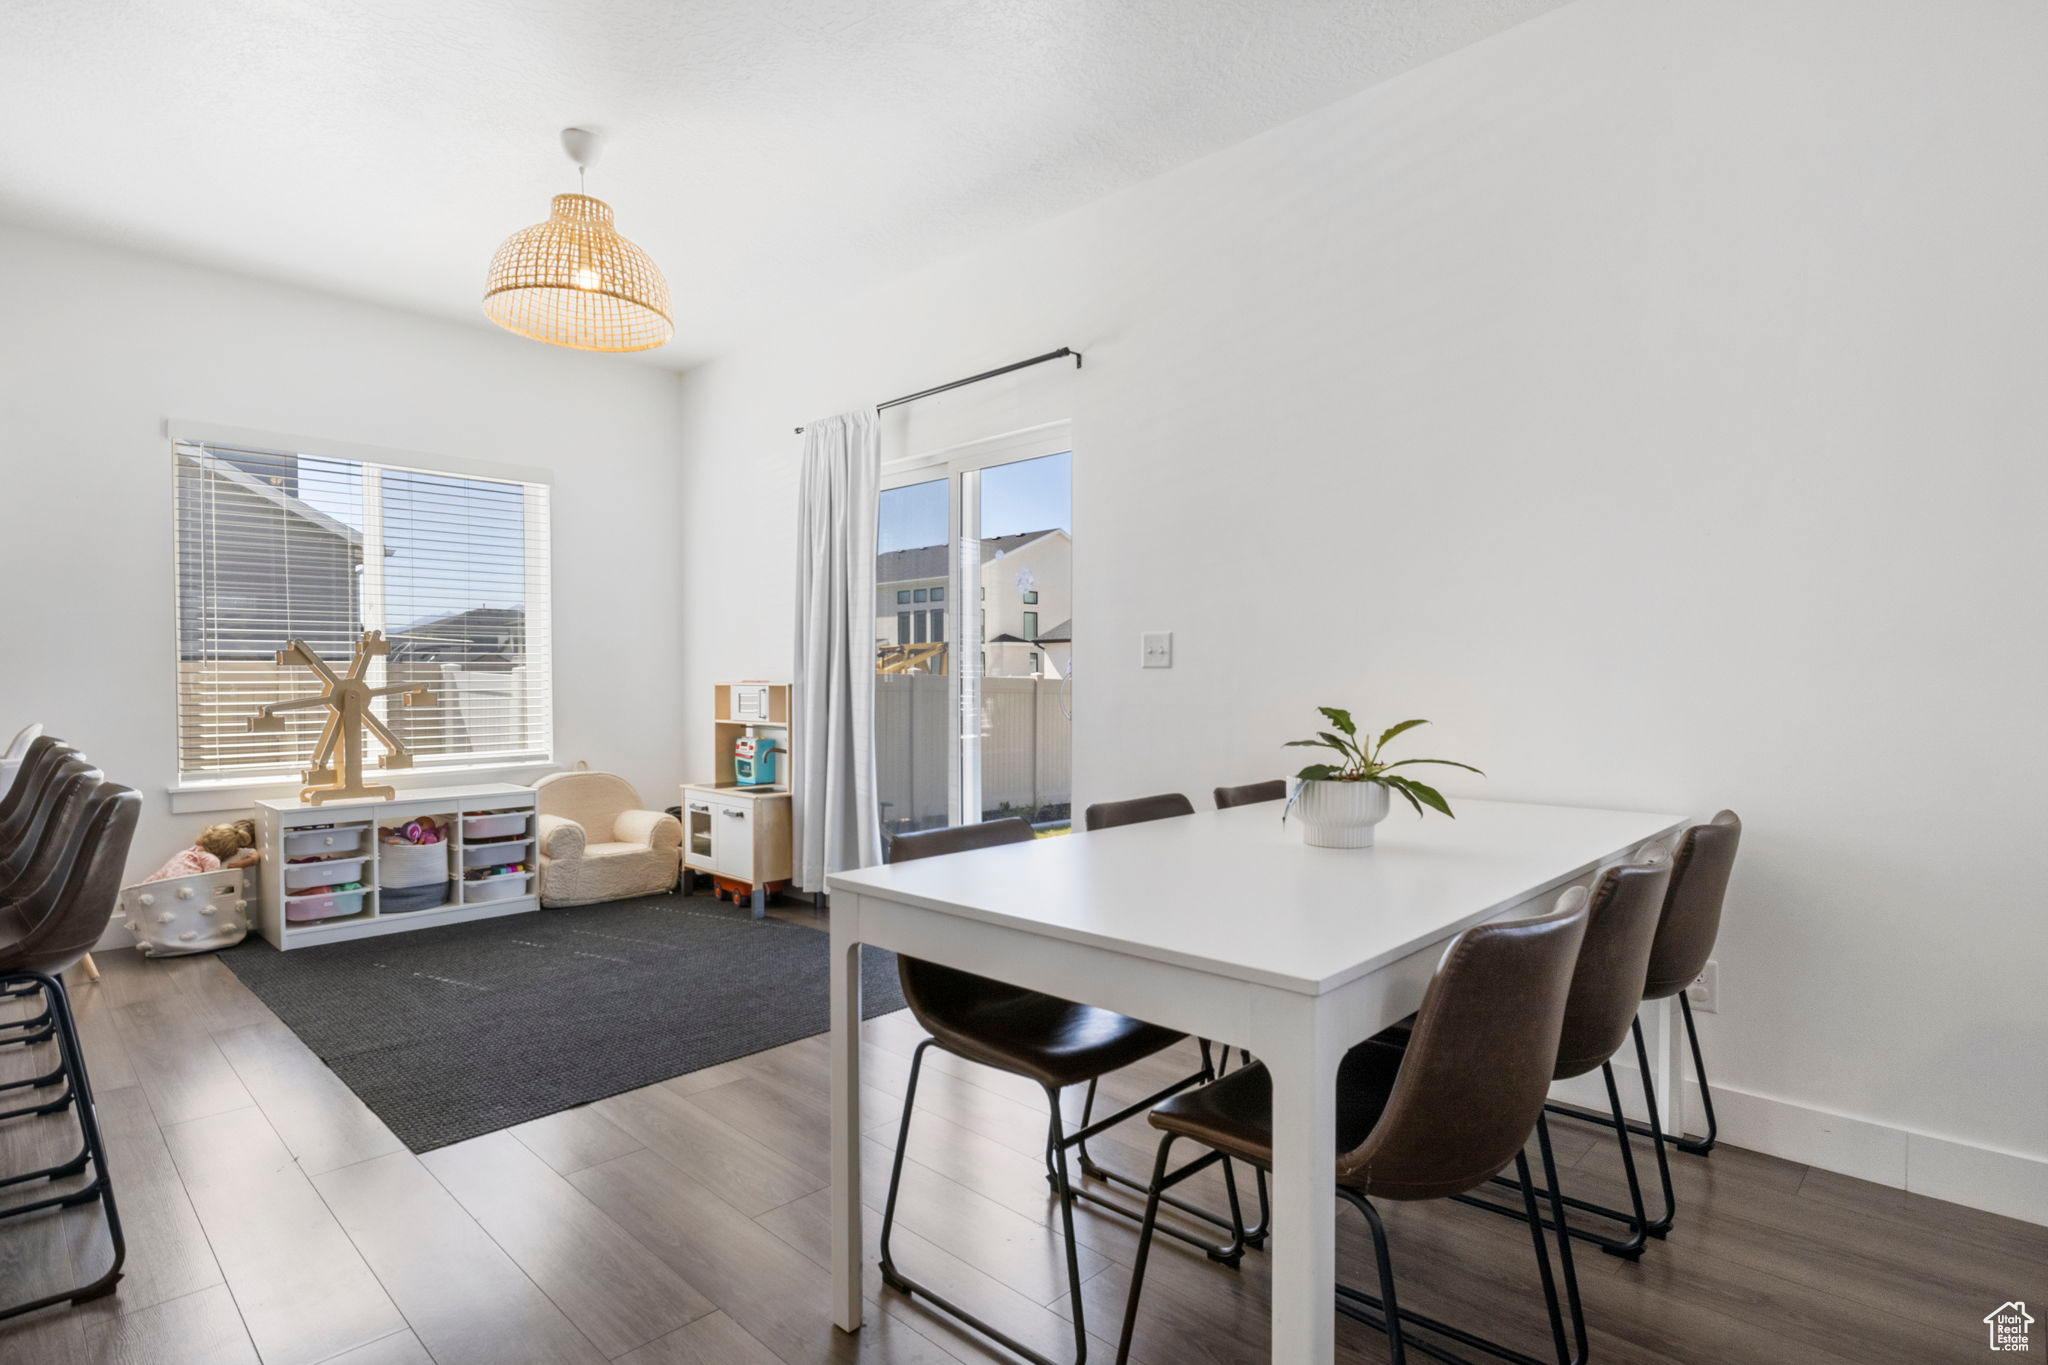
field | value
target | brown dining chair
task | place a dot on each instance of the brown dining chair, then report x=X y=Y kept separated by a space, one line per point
x=59 y=826
x=1056 y=1043
x=40 y=936
x=1701 y=861
x=50 y=769
x=1251 y=794
x=1430 y=1121
x=1136 y=811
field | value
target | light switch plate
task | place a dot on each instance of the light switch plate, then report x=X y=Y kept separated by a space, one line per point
x=1157 y=646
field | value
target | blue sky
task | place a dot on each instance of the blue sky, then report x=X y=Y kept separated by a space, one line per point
x=1030 y=495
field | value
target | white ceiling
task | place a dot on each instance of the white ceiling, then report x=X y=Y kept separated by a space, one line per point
x=766 y=152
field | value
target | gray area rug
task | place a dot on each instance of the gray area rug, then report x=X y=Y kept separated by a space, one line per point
x=454 y=1032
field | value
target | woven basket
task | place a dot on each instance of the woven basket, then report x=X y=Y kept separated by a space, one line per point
x=403 y=865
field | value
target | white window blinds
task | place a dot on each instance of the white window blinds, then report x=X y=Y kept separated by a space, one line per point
x=275 y=546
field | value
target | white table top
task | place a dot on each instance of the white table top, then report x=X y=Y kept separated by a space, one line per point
x=1235 y=893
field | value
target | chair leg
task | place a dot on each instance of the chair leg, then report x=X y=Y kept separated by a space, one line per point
x=1635 y=1219
x=1564 y=1242
x=1230 y=1253
x=101 y=1188
x=1697 y=1146
x=1395 y=1320
x=1123 y=1346
x=1056 y=1145
x=89 y=967
x=1656 y=1227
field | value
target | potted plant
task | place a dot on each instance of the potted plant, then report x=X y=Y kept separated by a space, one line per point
x=1341 y=803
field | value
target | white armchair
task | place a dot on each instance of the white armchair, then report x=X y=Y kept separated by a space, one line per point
x=597 y=844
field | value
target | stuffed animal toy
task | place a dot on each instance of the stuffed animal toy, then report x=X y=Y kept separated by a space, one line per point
x=218 y=847
x=234 y=844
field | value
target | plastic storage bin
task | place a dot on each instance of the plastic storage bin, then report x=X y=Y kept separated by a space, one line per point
x=321 y=842
x=324 y=872
x=495 y=852
x=499 y=888
x=302 y=909
x=493 y=826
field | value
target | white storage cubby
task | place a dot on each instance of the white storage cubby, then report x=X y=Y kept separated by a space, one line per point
x=341 y=838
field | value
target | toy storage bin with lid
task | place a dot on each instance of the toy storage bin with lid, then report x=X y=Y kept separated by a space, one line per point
x=495 y=852
x=322 y=872
x=504 y=886
x=323 y=841
x=300 y=909
x=495 y=825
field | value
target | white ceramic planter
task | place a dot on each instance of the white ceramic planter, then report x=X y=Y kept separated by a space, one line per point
x=1340 y=814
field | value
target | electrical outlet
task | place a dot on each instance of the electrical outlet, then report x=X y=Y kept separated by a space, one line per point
x=1157 y=648
x=1705 y=990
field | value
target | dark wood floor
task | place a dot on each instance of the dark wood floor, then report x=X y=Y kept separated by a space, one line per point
x=271 y=1217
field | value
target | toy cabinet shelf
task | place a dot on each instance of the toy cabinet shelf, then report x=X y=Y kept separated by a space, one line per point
x=488 y=826
x=739 y=836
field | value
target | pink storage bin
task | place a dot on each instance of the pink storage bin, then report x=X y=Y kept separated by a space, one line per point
x=301 y=909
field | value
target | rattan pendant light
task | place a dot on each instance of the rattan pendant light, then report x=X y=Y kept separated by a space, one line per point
x=573 y=280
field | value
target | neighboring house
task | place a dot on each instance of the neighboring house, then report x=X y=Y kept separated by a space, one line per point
x=292 y=563
x=1026 y=604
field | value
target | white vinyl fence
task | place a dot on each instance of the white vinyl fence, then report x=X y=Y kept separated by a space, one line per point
x=1027 y=746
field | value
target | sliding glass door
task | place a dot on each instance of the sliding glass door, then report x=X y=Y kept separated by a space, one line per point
x=974 y=636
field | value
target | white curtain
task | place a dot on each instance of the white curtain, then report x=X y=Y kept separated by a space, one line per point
x=838 y=825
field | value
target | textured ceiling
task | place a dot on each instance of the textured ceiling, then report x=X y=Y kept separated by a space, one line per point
x=767 y=152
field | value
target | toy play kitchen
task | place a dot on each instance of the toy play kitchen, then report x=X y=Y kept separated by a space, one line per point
x=736 y=827
x=753 y=759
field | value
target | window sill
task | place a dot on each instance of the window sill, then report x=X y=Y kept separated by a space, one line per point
x=201 y=797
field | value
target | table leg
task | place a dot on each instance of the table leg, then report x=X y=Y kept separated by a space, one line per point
x=845 y=1046
x=1664 y=1036
x=1303 y=1061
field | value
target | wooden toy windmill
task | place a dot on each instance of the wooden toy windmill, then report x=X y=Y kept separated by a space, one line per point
x=337 y=771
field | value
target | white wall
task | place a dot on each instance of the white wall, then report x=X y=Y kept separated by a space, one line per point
x=1650 y=395
x=98 y=347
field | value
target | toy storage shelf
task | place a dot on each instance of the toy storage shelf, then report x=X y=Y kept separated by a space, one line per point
x=489 y=825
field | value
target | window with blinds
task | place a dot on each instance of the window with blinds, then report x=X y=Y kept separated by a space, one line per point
x=275 y=546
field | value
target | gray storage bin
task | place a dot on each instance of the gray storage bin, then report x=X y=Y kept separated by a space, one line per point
x=398 y=899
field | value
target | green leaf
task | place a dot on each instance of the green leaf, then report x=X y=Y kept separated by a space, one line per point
x=1429 y=796
x=1341 y=746
x=1341 y=719
x=1396 y=784
x=1319 y=772
x=1447 y=762
x=1308 y=744
x=1393 y=730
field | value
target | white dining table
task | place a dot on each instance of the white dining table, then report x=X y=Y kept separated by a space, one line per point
x=1226 y=926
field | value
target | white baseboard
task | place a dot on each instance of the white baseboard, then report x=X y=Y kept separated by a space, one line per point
x=1979 y=1177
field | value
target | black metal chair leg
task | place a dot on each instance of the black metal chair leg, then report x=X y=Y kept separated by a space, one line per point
x=101 y=1187
x=1230 y=1253
x=1123 y=1346
x=1638 y=1221
x=1059 y=1150
x=889 y=1275
x=1656 y=1227
x=1564 y=1242
x=1697 y=1146
x=1543 y=1255
x=1390 y=1307
x=1056 y=1145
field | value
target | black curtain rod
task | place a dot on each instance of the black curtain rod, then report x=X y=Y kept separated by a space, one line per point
x=1061 y=354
